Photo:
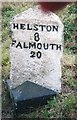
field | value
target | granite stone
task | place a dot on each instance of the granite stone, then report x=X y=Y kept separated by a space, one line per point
x=36 y=49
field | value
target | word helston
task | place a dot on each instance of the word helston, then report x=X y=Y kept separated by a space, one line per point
x=35 y=27
x=35 y=45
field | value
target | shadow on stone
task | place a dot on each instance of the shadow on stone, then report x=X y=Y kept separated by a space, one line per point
x=28 y=96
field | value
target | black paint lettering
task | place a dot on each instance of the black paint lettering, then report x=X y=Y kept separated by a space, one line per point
x=29 y=27
x=42 y=27
x=55 y=28
x=32 y=45
x=35 y=27
x=52 y=46
x=19 y=45
x=35 y=54
x=45 y=46
x=13 y=42
x=22 y=26
x=38 y=54
x=39 y=45
x=48 y=28
x=24 y=45
x=58 y=47
x=32 y=54
x=36 y=37
x=15 y=26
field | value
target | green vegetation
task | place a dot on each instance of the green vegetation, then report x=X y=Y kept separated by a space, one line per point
x=64 y=105
x=69 y=19
x=71 y=82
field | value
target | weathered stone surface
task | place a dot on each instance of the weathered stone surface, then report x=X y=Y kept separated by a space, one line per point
x=36 y=50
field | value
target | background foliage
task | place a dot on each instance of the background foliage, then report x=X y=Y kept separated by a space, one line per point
x=65 y=104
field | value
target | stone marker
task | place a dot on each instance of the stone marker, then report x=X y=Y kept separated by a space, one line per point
x=36 y=51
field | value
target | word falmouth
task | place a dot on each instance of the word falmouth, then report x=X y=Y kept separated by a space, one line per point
x=35 y=45
x=35 y=27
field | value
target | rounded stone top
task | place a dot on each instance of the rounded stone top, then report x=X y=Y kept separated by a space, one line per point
x=36 y=13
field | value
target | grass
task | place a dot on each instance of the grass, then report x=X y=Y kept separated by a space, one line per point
x=71 y=82
x=65 y=104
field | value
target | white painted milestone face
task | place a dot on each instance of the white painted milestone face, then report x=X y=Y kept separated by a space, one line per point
x=36 y=49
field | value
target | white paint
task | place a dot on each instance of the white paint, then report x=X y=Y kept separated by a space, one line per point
x=45 y=71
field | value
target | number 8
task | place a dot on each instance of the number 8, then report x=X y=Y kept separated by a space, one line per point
x=36 y=37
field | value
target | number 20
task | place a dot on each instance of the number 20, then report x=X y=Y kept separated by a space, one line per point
x=34 y=54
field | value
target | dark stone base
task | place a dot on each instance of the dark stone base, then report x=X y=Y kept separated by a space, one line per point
x=28 y=96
